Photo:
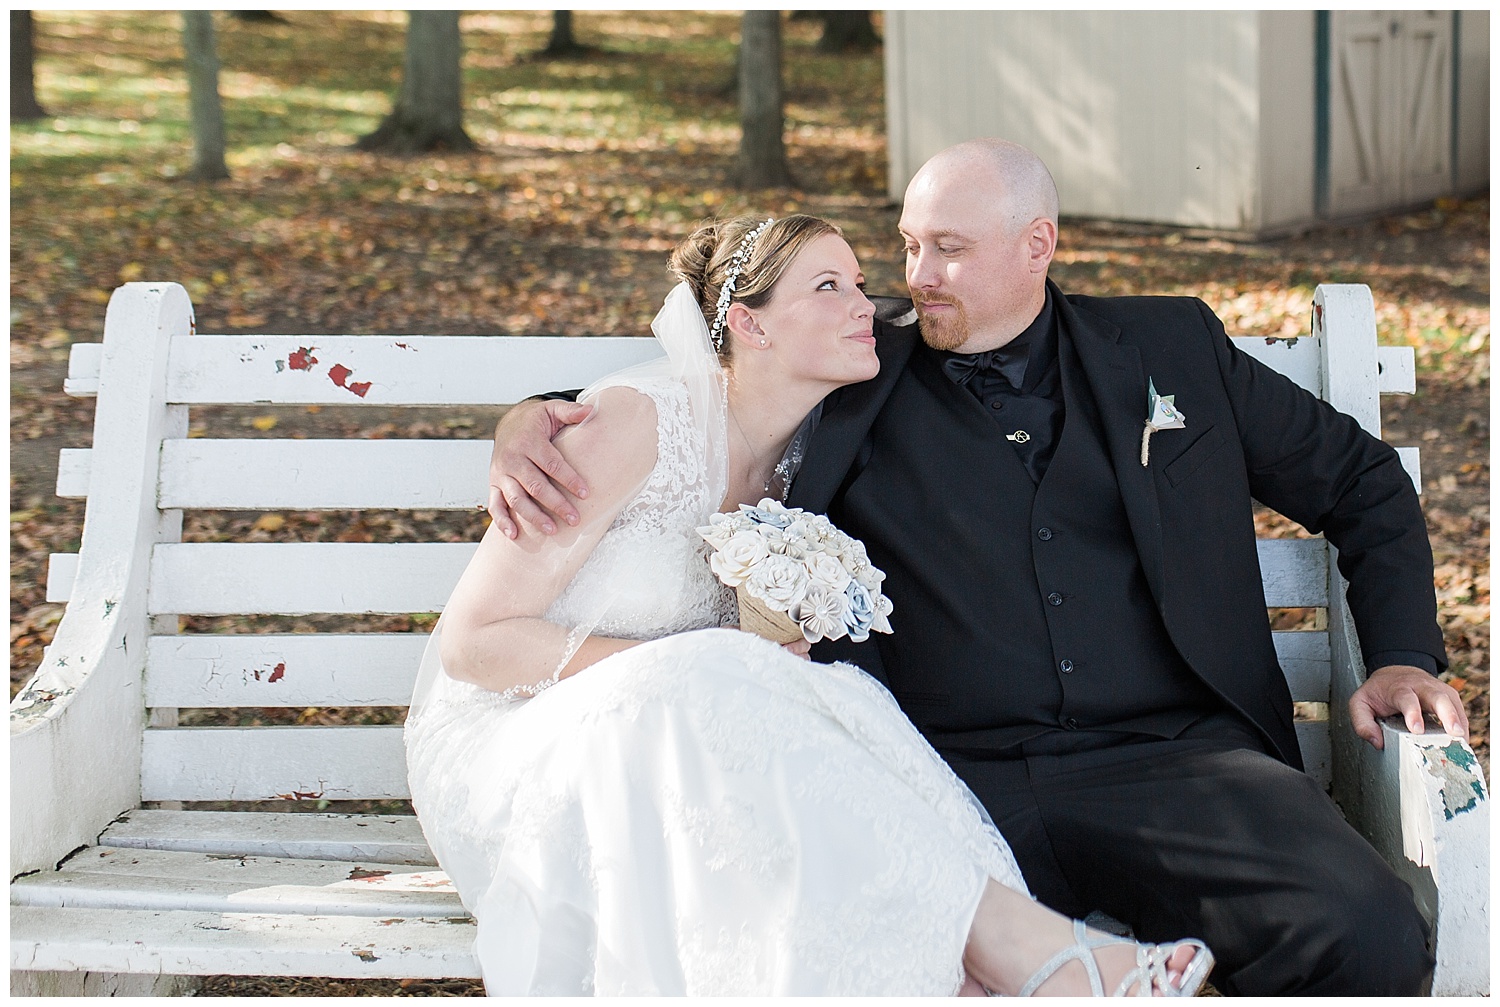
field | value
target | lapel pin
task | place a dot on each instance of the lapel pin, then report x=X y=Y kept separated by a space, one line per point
x=1020 y=437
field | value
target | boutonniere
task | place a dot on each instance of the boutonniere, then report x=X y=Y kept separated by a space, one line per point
x=1161 y=414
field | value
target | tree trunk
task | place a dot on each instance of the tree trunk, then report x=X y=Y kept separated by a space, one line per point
x=23 y=104
x=562 y=42
x=762 y=150
x=847 y=29
x=203 y=96
x=429 y=112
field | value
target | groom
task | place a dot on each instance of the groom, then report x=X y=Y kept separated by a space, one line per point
x=1083 y=633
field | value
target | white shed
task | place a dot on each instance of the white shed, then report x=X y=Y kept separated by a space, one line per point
x=1250 y=121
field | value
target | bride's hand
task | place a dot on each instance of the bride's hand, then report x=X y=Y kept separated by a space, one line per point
x=801 y=648
x=526 y=471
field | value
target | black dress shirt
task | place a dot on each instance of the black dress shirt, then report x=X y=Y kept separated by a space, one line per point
x=1020 y=388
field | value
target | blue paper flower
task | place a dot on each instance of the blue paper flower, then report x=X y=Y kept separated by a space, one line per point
x=859 y=614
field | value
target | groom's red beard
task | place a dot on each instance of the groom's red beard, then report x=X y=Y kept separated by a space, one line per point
x=947 y=330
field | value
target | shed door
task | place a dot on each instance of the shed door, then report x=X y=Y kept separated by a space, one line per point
x=1391 y=91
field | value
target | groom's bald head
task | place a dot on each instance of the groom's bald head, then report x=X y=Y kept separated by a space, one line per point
x=1007 y=175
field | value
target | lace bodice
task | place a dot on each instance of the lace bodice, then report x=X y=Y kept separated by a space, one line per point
x=649 y=574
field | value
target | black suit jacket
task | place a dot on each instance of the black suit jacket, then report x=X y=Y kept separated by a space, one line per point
x=1251 y=433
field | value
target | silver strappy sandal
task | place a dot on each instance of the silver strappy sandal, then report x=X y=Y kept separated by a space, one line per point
x=1150 y=970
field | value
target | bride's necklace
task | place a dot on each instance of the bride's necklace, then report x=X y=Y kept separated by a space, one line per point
x=777 y=470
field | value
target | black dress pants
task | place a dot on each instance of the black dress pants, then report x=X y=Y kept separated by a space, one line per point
x=1207 y=836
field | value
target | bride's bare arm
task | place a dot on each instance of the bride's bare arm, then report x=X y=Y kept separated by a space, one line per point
x=493 y=631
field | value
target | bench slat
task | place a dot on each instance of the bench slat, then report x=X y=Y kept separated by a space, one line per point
x=304 y=577
x=254 y=871
x=1306 y=662
x=391 y=370
x=297 y=578
x=326 y=669
x=388 y=839
x=83 y=370
x=186 y=943
x=73 y=467
x=1398 y=369
x=62 y=570
x=1294 y=572
x=87 y=890
x=266 y=763
x=212 y=476
x=1298 y=361
x=325 y=474
x=378 y=669
x=1317 y=750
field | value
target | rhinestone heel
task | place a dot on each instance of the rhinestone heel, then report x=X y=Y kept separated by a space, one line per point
x=1149 y=974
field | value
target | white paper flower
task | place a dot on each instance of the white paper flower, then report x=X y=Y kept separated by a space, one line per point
x=717 y=533
x=869 y=577
x=826 y=571
x=883 y=609
x=778 y=581
x=821 y=615
x=736 y=558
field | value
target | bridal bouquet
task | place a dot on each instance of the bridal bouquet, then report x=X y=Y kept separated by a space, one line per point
x=796 y=575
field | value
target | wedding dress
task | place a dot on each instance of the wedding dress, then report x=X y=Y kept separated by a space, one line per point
x=704 y=813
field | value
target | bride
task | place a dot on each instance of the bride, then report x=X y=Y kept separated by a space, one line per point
x=634 y=797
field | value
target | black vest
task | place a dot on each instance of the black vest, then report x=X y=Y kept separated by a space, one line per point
x=1019 y=608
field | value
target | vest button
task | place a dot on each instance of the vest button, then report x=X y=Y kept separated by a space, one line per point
x=1071 y=724
x=1045 y=534
x=997 y=405
x=1054 y=599
x=1066 y=666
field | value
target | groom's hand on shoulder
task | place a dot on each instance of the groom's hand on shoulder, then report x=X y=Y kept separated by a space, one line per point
x=527 y=473
x=1411 y=693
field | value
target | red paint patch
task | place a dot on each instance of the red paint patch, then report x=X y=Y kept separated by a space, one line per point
x=339 y=374
x=302 y=360
x=403 y=346
x=277 y=673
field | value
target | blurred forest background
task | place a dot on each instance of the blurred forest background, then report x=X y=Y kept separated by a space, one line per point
x=589 y=163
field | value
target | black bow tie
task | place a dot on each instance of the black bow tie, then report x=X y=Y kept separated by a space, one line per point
x=962 y=367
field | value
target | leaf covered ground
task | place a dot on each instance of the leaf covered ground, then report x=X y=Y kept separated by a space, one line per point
x=591 y=170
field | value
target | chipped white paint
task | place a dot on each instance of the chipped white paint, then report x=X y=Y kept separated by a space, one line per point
x=267 y=763
x=252 y=669
x=1445 y=828
x=393 y=370
x=193 y=943
x=76 y=726
x=102 y=759
x=58 y=890
x=391 y=839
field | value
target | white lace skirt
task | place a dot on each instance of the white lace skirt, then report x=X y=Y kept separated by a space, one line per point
x=703 y=814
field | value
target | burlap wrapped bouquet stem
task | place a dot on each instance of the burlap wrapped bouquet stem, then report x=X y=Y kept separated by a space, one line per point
x=757 y=618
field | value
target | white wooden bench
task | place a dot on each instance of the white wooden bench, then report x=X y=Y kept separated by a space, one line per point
x=112 y=880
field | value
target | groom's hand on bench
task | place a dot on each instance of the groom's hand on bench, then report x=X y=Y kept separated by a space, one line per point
x=528 y=475
x=1409 y=692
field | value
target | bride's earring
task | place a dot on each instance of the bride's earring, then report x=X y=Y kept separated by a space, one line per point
x=763 y=342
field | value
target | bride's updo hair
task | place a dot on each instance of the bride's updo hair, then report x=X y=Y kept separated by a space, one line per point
x=703 y=260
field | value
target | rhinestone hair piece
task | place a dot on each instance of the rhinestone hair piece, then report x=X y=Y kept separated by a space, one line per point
x=726 y=292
